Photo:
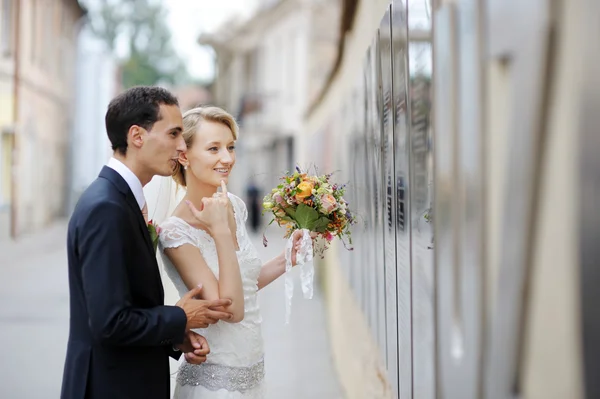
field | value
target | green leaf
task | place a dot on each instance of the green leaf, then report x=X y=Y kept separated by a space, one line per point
x=153 y=236
x=321 y=224
x=306 y=217
x=290 y=212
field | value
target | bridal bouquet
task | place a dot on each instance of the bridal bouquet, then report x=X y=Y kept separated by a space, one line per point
x=316 y=206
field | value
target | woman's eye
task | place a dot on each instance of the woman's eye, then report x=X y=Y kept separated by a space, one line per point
x=213 y=149
x=231 y=148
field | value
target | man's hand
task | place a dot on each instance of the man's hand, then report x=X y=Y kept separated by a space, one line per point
x=201 y=313
x=195 y=348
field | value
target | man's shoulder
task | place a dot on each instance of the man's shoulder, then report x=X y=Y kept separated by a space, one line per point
x=100 y=194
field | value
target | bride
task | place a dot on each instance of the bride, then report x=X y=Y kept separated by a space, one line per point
x=205 y=242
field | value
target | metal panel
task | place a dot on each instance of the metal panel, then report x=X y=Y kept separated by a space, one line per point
x=359 y=192
x=389 y=186
x=421 y=196
x=459 y=199
x=589 y=217
x=402 y=176
x=369 y=201
x=450 y=338
x=377 y=306
x=343 y=173
x=471 y=206
x=527 y=62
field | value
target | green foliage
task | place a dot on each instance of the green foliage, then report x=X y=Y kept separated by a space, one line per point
x=141 y=26
x=306 y=217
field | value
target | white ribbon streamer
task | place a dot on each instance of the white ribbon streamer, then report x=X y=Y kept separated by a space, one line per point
x=304 y=259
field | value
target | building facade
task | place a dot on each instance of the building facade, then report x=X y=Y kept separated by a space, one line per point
x=37 y=75
x=97 y=83
x=473 y=122
x=269 y=69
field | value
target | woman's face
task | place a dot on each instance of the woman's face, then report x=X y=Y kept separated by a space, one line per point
x=212 y=154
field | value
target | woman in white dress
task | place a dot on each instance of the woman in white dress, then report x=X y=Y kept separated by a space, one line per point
x=211 y=247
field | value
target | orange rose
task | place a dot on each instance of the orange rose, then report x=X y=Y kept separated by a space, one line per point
x=304 y=190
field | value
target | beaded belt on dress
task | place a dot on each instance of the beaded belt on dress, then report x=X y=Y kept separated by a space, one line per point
x=215 y=376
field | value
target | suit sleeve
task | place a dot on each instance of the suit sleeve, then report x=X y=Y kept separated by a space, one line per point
x=113 y=320
x=173 y=353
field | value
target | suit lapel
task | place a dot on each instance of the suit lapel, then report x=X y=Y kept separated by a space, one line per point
x=140 y=219
x=123 y=187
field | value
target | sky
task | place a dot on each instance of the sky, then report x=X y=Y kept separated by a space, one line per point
x=189 y=18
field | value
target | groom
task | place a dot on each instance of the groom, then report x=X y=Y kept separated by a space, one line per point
x=121 y=333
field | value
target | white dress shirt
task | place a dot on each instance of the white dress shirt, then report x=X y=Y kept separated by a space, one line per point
x=132 y=180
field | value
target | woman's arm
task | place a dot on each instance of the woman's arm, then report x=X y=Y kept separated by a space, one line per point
x=274 y=268
x=191 y=266
x=271 y=271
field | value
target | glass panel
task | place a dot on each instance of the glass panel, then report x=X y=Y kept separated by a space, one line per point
x=421 y=196
x=389 y=195
x=401 y=173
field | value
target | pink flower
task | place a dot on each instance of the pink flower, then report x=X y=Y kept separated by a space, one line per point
x=279 y=199
x=328 y=203
x=329 y=237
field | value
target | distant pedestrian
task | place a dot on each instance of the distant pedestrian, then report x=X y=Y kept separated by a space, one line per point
x=254 y=205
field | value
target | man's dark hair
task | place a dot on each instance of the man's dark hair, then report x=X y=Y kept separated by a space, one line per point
x=136 y=106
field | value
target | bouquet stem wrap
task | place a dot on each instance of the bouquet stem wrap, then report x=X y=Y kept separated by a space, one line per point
x=304 y=259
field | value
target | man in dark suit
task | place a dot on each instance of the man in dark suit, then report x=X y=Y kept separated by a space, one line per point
x=121 y=334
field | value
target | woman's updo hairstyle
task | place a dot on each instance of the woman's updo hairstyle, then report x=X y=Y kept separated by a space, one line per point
x=191 y=122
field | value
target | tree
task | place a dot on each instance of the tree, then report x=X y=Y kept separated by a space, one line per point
x=138 y=27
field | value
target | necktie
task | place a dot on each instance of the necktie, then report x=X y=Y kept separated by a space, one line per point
x=145 y=213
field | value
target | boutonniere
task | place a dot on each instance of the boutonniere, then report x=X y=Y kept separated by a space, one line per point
x=154 y=231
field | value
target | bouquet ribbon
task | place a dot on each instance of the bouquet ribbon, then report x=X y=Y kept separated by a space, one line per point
x=304 y=259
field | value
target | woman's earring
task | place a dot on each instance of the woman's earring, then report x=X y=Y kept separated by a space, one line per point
x=185 y=167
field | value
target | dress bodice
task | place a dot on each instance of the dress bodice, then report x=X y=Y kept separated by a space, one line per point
x=231 y=344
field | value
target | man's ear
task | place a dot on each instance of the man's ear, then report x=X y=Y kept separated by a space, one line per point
x=136 y=135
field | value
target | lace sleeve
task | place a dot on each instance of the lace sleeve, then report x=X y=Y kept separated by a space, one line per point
x=174 y=234
x=240 y=206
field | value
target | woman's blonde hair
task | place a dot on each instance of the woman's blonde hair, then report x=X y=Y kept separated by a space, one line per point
x=191 y=122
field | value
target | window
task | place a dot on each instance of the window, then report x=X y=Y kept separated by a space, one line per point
x=7 y=34
x=48 y=44
x=6 y=146
x=34 y=31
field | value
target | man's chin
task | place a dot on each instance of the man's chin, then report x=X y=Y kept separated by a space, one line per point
x=165 y=173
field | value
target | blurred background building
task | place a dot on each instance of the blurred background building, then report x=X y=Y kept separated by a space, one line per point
x=269 y=68
x=97 y=81
x=37 y=89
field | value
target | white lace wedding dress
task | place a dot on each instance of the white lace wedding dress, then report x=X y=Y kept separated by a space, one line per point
x=234 y=368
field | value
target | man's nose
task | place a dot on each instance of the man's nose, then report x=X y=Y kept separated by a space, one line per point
x=181 y=144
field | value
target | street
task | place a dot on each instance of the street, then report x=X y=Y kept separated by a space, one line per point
x=35 y=311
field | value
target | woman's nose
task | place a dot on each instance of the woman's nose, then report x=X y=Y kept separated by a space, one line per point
x=226 y=158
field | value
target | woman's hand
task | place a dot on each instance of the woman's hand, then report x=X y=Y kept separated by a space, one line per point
x=195 y=348
x=215 y=211
x=297 y=237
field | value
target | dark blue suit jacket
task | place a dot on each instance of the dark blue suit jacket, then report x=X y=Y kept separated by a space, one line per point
x=121 y=334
